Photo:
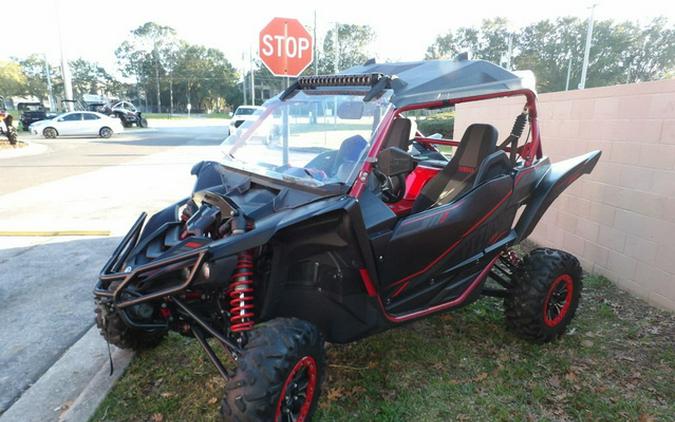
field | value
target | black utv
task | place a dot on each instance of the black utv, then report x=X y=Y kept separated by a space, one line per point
x=353 y=223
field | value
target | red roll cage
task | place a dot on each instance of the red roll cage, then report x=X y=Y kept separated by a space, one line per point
x=530 y=153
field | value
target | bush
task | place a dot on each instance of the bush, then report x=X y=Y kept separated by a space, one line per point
x=443 y=123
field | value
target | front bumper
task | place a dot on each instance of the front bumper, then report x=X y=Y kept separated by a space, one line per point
x=113 y=279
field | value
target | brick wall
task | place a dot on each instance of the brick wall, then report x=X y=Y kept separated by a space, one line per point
x=619 y=220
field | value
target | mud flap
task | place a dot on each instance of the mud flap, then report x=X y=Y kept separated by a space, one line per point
x=556 y=180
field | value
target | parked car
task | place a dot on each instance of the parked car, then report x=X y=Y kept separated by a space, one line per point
x=77 y=123
x=242 y=114
x=31 y=113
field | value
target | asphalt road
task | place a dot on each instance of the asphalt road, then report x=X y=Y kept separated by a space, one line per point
x=76 y=155
x=46 y=283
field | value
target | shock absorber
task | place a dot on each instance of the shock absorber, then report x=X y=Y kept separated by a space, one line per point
x=241 y=291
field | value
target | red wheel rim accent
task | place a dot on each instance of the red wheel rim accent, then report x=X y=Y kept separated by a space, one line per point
x=558 y=300
x=305 y=369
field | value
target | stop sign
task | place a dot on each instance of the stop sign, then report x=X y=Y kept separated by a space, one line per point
x=286 y=47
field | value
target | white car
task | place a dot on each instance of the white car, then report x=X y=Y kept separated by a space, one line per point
x=243 y=114
x=77 y=123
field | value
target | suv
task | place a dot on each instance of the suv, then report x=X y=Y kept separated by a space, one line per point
x=31 y=113
x=354 y=224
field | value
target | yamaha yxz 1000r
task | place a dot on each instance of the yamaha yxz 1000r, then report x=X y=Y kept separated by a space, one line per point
x=331 y=218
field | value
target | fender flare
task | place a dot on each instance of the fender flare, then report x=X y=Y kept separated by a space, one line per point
x=559 y=176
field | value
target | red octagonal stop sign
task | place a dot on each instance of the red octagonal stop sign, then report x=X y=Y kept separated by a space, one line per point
x=286 y=47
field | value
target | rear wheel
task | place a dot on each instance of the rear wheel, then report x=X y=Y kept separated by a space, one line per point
x=49 y=133
x=545 y=295
x=117 y=332
x=279 y=375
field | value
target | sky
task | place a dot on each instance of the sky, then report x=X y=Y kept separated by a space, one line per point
x=93 y=29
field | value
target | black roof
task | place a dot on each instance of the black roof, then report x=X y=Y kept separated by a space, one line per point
x=431 y=80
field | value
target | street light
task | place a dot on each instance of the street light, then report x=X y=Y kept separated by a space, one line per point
x=587 y=50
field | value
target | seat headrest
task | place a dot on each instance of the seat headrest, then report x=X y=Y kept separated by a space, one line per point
x=479 y=141
x=401 y=132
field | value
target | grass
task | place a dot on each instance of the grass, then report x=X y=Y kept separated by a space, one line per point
x=616 y=363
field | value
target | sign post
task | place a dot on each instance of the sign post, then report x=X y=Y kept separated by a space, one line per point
x=286 y=49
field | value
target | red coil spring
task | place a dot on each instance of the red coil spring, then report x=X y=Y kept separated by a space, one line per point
x=241 y=294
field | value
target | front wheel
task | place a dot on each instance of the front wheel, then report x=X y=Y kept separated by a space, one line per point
x=117 y=332
x=278 y=377
x=142 y=122
x=545 y=295
x=49 y=133
x=105 y=132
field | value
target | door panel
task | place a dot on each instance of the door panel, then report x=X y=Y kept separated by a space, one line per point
x=425 y=245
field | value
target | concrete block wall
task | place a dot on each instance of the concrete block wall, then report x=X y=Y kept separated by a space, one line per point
x=619 y=220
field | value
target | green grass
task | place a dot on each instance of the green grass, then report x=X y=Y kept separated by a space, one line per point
x=615 y=363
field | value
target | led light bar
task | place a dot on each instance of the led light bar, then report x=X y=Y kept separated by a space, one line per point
x=339 y=80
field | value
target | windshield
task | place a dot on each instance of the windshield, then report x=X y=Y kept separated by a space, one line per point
x=310 y=139
x=244 y=111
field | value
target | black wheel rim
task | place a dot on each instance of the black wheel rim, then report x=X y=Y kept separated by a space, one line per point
x=558 y=300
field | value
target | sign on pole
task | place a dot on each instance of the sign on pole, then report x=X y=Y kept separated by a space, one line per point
x=286 y=47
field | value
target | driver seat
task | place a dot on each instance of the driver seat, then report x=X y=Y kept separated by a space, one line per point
x=479 y=141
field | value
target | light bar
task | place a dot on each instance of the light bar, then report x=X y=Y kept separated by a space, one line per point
x=338 y=80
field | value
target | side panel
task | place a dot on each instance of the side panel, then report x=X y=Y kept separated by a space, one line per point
x=315 y=275
x=415 y=262
x=556 y=180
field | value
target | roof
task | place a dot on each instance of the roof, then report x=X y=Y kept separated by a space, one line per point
x=431 y=80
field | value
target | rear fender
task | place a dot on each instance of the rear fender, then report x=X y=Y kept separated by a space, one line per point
x=559 y=176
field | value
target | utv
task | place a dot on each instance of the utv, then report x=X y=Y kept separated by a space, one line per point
x=355 y=223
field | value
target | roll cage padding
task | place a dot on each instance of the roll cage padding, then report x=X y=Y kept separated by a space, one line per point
x=559 y=176
x=479 y=141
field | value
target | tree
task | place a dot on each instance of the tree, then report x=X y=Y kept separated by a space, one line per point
x=144 y=51
x=620 y=53
x=90 y=78
x=489 y=42
x=12 y=80
x=351 y=49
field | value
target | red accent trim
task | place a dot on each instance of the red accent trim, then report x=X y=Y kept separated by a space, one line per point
x=455 y=302
x=400 y=289
x=416 y=181
x=569 y=284
x=434 y=141
x=447 y=251
x=367 y=282
x=466 y=169
x=193 y=245
x=309 y=363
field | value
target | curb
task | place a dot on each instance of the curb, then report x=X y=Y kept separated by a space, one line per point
x=85 y=405
x=30 y=149
x=73 y=386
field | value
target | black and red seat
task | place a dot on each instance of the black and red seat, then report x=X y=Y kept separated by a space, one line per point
x=475 y=161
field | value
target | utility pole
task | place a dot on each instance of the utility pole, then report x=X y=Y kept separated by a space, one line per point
x=510 y=51
x=48 y=75
x=569 y=69
x=316 y=59
x=159 y=97
x=250 y=56
x=587 y=50
x=336 y=50
x=65 y=69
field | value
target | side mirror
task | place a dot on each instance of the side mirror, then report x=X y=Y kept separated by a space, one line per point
x=350 y=110
x=394 y=161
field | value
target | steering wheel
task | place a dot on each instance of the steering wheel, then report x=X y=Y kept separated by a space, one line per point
x=392 y=188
